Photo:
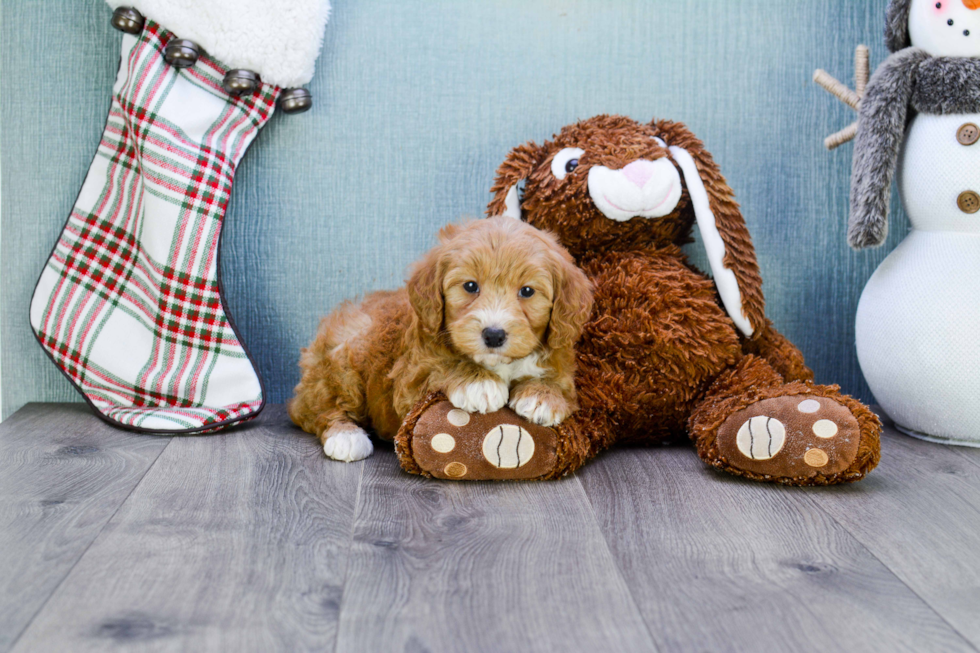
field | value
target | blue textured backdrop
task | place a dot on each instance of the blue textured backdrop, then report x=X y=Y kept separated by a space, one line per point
x=416 y=104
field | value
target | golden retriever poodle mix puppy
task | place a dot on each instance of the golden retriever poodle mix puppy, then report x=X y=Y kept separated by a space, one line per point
x=489 y=317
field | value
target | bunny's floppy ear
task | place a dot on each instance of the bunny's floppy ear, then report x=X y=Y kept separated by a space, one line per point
x=723 y=231
x=516 y=168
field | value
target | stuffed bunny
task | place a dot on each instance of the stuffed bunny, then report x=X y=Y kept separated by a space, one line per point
x=918 y=322
x=668 y=352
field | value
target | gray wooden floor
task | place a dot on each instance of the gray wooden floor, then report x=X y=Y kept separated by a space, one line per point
x=252 y=541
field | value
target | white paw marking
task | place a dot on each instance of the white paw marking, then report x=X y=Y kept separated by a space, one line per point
x=480 y=397
x=825 y=429
x=347 y=443
x=458 y=417
x=442 y=442
x=508 y=446
x=539 y=412
x=761 y=438
x=809 y=406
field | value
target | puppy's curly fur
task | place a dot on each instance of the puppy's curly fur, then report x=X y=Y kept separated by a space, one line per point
x=372 y=361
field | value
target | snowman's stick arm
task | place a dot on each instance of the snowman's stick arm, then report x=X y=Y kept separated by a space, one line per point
x=851 y=98
x=845 y=135
x=862 y=69
x=837 y=89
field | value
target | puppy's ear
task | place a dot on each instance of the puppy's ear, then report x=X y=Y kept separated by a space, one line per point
x=448 y=232
x=723 y=232
x=518 y=165
x=425 y=290
x=572 y=305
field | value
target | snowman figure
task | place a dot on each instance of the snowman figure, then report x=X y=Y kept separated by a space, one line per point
x=918 y=321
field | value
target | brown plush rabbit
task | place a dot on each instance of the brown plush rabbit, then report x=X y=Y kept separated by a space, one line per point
x=668 y=351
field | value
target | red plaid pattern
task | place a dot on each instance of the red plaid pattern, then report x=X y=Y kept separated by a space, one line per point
x=129 y=305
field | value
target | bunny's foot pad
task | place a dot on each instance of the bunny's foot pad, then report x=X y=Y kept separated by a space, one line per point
x=441 y=441
x=802 y=439
x=793 y=434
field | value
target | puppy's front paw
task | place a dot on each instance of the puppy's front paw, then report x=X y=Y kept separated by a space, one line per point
x=485 y=396
x=545 y=409
x=347 y=443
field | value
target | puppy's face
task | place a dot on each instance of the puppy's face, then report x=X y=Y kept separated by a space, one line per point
x=498 y=303
x=504 y=289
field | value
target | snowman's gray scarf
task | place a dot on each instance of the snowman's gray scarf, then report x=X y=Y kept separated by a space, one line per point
x=945 y=85
x=909 y=81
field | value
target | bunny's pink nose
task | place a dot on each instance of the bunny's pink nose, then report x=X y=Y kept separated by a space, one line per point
x=639 y=172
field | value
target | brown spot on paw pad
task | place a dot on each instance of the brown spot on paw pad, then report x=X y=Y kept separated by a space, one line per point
x=816 y=458
x=455 y=470
x=790 y=437
x=451 y=444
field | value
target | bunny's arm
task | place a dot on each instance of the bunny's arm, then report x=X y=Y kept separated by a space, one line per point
x=881 y=127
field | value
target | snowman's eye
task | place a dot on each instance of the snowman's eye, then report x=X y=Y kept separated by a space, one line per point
x=565 y=162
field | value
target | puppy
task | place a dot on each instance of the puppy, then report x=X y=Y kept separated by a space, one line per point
x=490 y=317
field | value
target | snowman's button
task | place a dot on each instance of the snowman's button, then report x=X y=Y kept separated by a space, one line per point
x=969 y=202
x=968 y=134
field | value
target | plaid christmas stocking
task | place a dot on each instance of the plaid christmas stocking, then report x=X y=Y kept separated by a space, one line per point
x=129 y=304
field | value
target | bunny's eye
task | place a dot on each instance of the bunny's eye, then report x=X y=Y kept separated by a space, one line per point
x=565 y=162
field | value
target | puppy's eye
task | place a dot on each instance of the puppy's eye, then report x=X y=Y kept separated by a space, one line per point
x=566 y=161
x=526 y=291
x=471 y=287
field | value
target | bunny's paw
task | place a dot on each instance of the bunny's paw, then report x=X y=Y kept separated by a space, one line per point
x=798 y=439
x=442 y=441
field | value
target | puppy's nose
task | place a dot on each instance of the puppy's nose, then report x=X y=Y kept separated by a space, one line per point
x=639 y=172
x=494 y=337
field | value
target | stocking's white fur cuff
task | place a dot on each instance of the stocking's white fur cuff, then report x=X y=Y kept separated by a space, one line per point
x=278 y=39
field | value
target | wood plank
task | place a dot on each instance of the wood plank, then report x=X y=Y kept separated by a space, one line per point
x=232 y=542
x=719 y=563
x=971 y=454
x=63 y=474
x=439 y=566
x=919 y=513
